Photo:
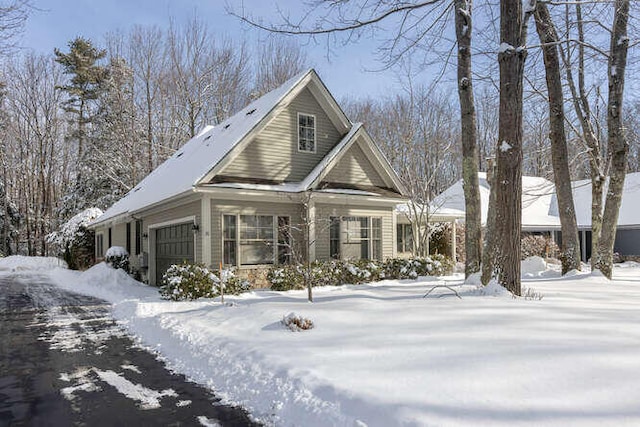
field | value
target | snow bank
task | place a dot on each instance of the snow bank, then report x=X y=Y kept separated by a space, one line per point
x=104 y=282
x=22 y=263
x=533 y=266
x=382 y=355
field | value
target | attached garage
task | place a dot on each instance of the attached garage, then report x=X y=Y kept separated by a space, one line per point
x=174 y=245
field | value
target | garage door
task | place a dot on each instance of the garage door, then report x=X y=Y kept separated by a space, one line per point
x=174 y=245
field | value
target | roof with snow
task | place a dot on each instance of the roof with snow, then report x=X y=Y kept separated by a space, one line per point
x=537 y=202
x=198 y=159
x=629 y=208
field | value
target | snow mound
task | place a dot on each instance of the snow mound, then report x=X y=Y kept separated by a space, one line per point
x=493 y=289
x=22 y=263
x=533 y=266
x=104 y=282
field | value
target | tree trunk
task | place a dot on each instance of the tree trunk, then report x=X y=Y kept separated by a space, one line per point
x=508 y=180
x=549 y=39
x=617 y=143
x=473 y=225
x=490 y=249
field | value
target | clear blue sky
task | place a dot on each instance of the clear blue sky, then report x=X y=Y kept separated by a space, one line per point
x=59 y=21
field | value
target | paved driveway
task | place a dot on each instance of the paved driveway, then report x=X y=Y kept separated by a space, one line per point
x=64 y=361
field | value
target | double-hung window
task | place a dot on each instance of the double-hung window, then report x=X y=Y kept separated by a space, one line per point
x=404 y=238
x=353 y=237
x=255 y=239
x=306 y=133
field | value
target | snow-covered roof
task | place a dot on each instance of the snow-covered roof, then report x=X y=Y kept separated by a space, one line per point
x=629 y=209
x=537 y=200
x=187 y=166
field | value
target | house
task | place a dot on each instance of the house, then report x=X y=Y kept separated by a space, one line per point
x=627 y=241
x=286 y=177
x=540 y=210
x=449 y=206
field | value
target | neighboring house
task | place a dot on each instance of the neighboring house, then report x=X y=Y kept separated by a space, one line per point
x=288 y=175
x=540 y=210
x=628 y=232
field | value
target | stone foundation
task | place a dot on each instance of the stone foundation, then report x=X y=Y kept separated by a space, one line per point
x=257 y=277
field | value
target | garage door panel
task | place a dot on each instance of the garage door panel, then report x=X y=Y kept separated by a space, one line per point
x=174 y=245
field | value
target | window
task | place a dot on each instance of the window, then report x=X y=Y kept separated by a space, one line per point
x=334 y=237
x=306 y=133
x=352 y=237
x=99 y=245
x=404 y=238
x=229 y=240
x=128 y=238
x=256 y=239
x=109 y=237
x=138 y=236
x=284 y=240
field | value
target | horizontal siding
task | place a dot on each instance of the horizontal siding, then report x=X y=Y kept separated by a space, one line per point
x=274 y=155
x=325 y=211
x=189 y=209
x=355 y=168
x=222 y=207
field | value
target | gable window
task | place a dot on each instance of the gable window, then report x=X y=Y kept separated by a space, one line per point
x=404 y=238
x=306 y=133
x=355 y=237
x=256 y=239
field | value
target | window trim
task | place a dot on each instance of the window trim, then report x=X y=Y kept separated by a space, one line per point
x=315 y=139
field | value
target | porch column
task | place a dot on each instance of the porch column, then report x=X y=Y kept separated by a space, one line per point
x=453 y=240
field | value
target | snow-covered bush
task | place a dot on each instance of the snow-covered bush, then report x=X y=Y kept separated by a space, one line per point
x=117 y=257
x=538 y=246
x=189 y=282
x=297 y=323
x=193 y=281
x=335 y=272
x=74 y=242
x=412 y=268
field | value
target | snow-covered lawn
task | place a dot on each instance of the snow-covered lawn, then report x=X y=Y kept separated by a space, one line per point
x=382 y=355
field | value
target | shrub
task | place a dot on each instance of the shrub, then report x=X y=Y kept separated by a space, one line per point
x=117 y=257
x=193 y=281
x=536 y=245
x=335 y=272
x=297 y=323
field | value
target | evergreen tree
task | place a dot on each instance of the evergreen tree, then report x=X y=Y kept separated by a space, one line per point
x=84 y=88
x=85 y=85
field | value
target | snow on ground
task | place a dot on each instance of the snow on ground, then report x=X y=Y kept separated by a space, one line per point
x=19 y=262
x=382 y=355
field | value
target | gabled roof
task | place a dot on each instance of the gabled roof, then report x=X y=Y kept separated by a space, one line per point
x=537 y=201
x=203 y=156
x=214 y=147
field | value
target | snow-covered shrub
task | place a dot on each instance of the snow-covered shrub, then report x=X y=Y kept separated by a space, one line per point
x=117 y=257
x=335 y=272
x=297 y=323
x=412 y=268
x=541 y=246
x=188 y=282
x=74 y=242
x=233 y=285
x=193 y=281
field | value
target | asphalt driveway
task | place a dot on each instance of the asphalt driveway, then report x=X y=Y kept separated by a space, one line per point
x=65 y=361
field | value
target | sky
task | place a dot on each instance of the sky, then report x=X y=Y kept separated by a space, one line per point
x=346 y=71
